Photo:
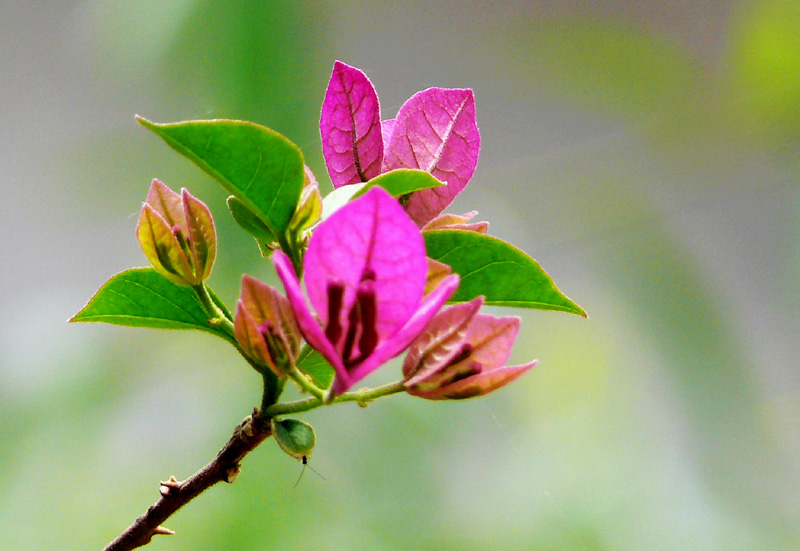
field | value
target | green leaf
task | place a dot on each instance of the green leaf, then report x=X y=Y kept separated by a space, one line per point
x=295 y=437
x=312 y=363
x=141 y=297
x=399 y=182
x=263 y=169
x=250 y=223
x=500 y=272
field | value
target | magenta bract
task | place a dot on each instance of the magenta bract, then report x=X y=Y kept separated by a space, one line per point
x=435 y=130
x=350 y=127
x=365 y=272
x=461 y=353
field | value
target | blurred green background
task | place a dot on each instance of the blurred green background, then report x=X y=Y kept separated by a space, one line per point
x=647 y=154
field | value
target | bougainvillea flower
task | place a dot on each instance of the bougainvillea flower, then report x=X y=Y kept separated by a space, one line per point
x=365 y=271
x=435 y=130
x=265 y=326
x=177 y=235
x=350 y=127
x=461 y=353
x=447 y=221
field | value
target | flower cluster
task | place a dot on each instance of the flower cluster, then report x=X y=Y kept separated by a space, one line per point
x=371 y=293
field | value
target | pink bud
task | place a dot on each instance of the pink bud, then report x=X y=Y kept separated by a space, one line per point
x=457 y=222
x=461 y=353
x=265 y=326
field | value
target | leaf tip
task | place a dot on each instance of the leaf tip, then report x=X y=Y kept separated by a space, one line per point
x=78 y=317
x=150 y=125
x=574 y=308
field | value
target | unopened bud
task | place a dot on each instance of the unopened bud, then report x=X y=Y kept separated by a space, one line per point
x=295 y=437
x=309 y=208
x=177 y=234
x=265 y=326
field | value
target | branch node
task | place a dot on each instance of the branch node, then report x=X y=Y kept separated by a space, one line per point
x=247 y=426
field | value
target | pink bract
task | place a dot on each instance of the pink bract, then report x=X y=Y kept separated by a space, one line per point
x=350 y=127
x=461 y=353
x=365 y=272
x=436 y=131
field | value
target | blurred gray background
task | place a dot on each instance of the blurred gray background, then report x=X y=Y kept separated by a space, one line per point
x=646 y=154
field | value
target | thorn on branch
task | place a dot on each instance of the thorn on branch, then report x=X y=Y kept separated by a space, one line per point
x=161 y=530
x=170 y=487
x=231 y=473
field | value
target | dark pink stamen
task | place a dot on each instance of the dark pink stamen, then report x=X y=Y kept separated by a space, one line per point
x=335 y=303
x=368 y=307
x=362 y=321
x=353 y=325
x=463 y=354
x=459 y=373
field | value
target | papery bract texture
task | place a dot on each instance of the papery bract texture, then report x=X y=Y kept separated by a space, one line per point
x=350 y=127
x=436 y=131
x=365 y=272
x=265 y=326
x=461 y=353
x=387 y=127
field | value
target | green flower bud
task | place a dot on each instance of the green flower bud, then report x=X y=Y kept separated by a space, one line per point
x=177 y=235
x=309 y=208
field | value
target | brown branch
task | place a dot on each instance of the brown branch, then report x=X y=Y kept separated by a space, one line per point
x=174 y=494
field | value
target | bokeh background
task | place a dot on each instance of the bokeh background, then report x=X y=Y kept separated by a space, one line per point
x=646 y=153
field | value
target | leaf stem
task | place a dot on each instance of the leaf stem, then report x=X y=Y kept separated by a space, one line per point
x=216 y=316
x=304 y=383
